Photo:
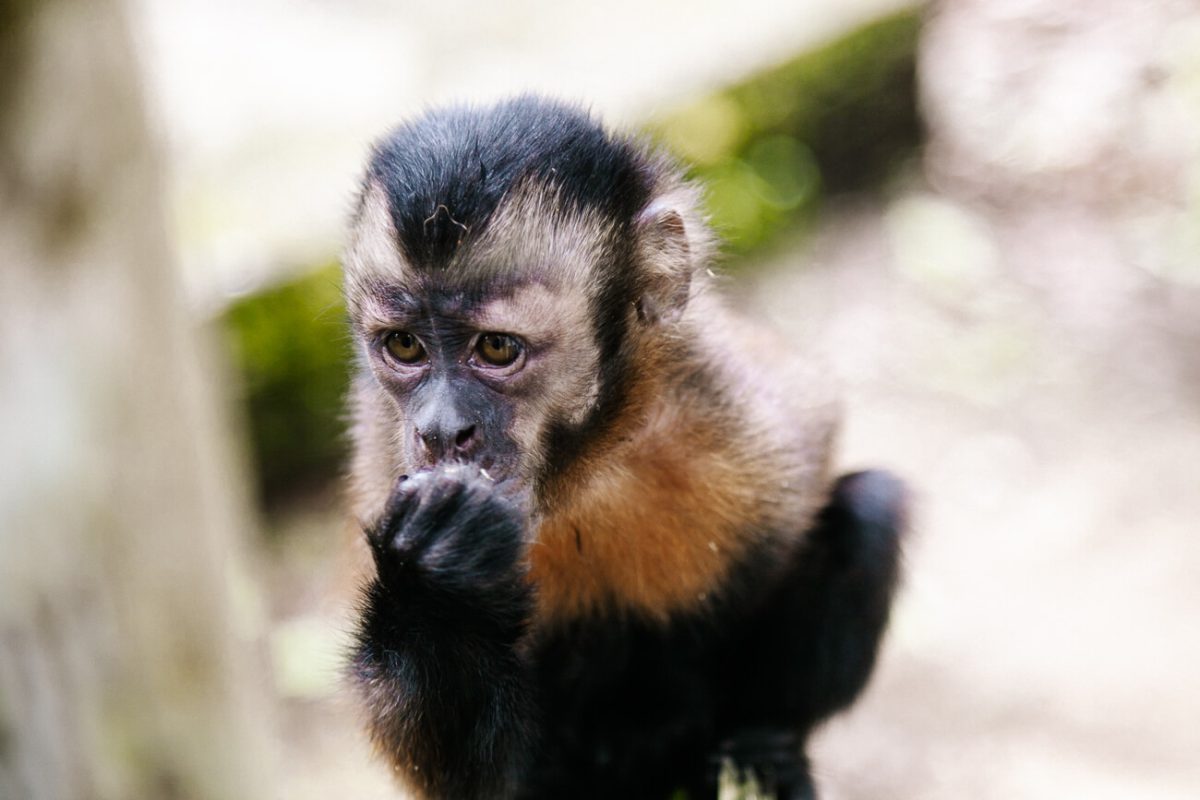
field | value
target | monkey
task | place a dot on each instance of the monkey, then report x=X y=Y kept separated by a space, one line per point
x=610 y=551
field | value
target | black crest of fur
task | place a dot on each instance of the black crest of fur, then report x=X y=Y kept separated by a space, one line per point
x=446 y=173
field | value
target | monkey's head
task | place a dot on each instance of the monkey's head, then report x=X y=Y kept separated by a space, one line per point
x=506 y=272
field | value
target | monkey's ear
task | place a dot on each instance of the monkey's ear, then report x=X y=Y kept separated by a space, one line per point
x=666 y=261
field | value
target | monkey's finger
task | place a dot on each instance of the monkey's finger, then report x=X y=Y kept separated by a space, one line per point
x=400 y=500
x=437 y=497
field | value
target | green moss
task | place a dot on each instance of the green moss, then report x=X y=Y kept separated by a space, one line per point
x=836 y=119
x=15 y=19
x=291 y=348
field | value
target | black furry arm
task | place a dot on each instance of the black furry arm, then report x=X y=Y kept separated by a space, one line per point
x=447 y=694
x=819 y=633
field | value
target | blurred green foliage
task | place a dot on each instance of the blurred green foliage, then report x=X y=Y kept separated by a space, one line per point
x=835 y=119
x=290 y=344
x=767 y=149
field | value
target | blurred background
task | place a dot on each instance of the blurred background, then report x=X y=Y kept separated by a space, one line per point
x=985 y=212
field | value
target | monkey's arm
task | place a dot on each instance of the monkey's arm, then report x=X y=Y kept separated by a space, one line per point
x=447 y=694
x=833 y=612
x=811 y=649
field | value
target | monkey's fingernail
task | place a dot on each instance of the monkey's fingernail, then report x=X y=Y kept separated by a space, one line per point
x=487 y=475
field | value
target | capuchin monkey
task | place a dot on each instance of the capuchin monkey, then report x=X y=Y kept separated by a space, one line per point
x=609 y=551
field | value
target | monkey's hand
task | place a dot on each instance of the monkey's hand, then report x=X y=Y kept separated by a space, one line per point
x=454 y=537
x=447 y=694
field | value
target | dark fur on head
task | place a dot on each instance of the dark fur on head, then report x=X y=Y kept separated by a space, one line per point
x=447 y=172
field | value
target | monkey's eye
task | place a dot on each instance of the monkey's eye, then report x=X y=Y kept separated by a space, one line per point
x=404 y=347
x=497 y=349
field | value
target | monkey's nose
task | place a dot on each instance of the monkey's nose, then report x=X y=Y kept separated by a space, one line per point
x=449 y=442
x=465 y=438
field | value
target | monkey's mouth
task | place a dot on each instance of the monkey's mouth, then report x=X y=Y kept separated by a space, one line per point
x=491 y=467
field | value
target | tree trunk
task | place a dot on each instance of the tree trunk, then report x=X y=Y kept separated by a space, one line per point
x=126 y=615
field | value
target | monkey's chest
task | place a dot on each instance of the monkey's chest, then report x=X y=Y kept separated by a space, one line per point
x=651 y=557
x=628 y=709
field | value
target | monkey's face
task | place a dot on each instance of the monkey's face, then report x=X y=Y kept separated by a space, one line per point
x=480 y=360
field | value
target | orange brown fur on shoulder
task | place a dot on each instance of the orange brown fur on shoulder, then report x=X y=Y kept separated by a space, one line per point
x=692 y=479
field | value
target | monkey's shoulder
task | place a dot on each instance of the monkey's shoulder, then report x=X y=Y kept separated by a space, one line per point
x=704 y=487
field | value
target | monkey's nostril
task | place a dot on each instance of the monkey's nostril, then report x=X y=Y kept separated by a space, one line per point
x=464 y=437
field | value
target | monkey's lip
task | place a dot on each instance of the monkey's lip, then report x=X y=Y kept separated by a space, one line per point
x=486 y=467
